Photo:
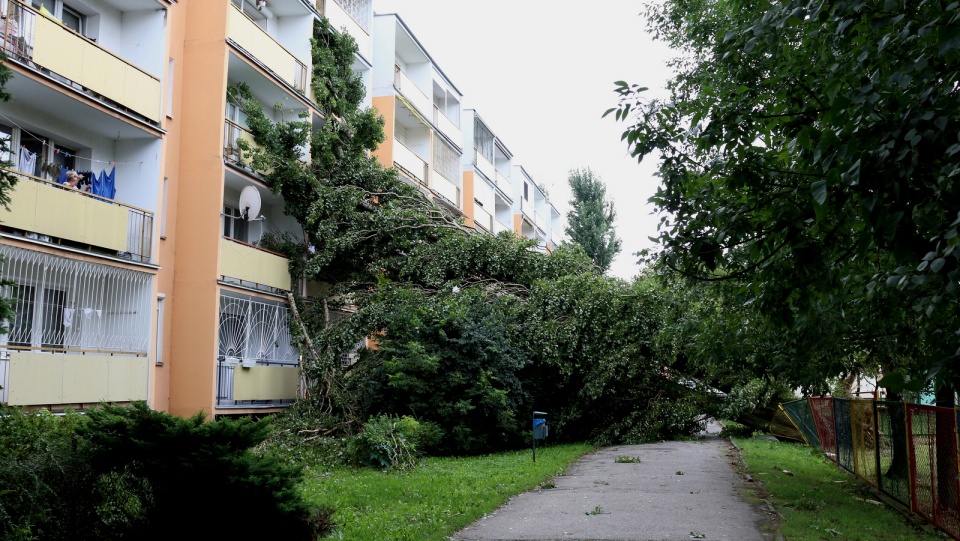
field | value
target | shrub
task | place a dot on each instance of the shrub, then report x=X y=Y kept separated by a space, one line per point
x=392 y=442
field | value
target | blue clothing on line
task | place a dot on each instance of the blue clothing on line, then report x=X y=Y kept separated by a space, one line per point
x=107 y=183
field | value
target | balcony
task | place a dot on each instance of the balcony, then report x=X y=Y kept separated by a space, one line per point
x=482 y=218
x=540 y=221
x=499 y=227
x=503 y=183
x=409 y=163
x=257 y=363
x=80 y=334
x=42 y=210
x=412 y=93
x=446 y=189
x=233 y=149
x=447 y=126
x=267 y=51
x=356 y=21
x=254 y=267
x=483 y=164
x=42 y=43
x=526 y=207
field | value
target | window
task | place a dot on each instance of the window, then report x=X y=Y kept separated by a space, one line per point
x=526 y=191
x=72 y=19
x=234 y=226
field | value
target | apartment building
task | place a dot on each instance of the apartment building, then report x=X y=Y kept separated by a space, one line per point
x=152 y=285
x=422 y=113
x=151 y=282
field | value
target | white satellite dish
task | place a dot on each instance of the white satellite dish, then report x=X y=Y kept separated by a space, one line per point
x=250 y=203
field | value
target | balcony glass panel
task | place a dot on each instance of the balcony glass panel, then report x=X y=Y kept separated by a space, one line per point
x=354 y=16
x=445 y=125
x=28 y=35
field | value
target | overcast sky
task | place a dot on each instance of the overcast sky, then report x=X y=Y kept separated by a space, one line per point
x=541 y=75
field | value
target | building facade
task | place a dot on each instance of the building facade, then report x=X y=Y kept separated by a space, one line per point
x=150 y=283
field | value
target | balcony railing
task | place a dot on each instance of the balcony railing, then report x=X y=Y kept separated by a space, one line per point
x=499 y=226
x=504 y=183
x=409 y=163
x=446 y=189
x=412 y=92
x=43 y=210
x=252 y=266
x=261 y=45
x=540 y=221
x=256 y=359
x=526 y=207
x=483 y=164
x=483 y=218
x=29 y=36
x=445 y=125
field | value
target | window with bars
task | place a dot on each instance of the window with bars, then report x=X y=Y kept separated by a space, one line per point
x=68 y=304
x=255 y=331
x=446 y=160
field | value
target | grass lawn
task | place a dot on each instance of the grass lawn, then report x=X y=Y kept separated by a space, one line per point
x=819 y=500
x=438 y=498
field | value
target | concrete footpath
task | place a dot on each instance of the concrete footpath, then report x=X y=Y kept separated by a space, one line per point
x=678 y=490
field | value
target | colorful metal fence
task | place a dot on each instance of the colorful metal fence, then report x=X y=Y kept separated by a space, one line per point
x=802 y=415
x=892 y=458
x=907 y=451
x=822 y=409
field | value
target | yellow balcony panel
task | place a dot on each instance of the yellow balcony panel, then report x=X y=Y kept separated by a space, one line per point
x=61 y=378
x=66 y=53
x=251 y=264
x=266 y=383
x=42 y=207
x=265 y=49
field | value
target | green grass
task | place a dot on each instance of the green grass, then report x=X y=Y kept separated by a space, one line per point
x=437 y=499
x=820 y=501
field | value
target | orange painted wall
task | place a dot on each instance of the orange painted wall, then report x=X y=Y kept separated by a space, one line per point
x=517 y=223
x=468 y=206
x=386 y=107
x=199 y=196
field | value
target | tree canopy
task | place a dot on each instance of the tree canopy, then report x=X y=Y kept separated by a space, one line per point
x=591 y=216
x=809 y=150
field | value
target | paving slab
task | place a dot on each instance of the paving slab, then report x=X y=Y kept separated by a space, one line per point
x=678 y=490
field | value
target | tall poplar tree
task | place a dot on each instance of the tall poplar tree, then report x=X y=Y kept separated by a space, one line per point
x=590 y=222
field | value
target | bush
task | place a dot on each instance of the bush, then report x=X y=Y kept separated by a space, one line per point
x=392 y=442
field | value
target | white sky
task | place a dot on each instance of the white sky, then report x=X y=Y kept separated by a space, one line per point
x=541 y=74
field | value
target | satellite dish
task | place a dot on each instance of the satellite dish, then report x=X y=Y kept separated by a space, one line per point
x=250 y=203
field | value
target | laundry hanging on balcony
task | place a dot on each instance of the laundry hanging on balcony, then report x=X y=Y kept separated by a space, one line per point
x=28 y=161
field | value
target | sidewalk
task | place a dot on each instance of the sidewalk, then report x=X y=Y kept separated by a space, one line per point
x=678 y=490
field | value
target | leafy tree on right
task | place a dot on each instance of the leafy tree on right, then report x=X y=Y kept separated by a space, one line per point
x=590 y=223
x=809 y=151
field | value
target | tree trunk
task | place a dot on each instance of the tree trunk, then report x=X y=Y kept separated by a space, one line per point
x=899 y=465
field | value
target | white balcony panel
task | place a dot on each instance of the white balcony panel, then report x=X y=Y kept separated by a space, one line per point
x=483 y=218
x=499 y=226
x=483 y=164
x=483 y=193
x=503 y=183
x=410 y=162
x=446 y=188
x=447 y=126
x=526 y=207
x=540 y=221
x=413 y=93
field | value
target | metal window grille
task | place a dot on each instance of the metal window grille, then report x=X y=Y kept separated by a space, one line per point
x=841 y=417
x=68 y=304
x=360 y=11
x=446 y=160
x=892 y=458
x=802 y=416
x=252 y=332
